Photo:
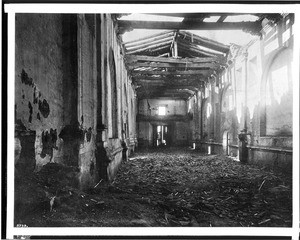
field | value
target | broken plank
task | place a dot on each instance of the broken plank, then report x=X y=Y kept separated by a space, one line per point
x=192 y=48
x=166 y=78
x=148 y=37
x=205 y=42
x=148 y=43
x=172 y=65
x=135 y=58
x=150 y=47
x=188 y=72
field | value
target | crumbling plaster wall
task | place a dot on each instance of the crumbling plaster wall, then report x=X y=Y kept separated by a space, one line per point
x=121 y=125
x=59 y=100
x=39 y=73
x=87 y=104
x=55 y=92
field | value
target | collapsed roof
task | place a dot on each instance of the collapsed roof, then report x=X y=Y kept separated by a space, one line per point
x=177 y=63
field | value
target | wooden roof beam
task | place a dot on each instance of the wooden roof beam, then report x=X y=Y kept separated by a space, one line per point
x=148 y=43
x=192 y=46
x=135 y=58
x=174 y=83
x=172 y=87
x=205 y=42
x=188 y=26
x=222 y=18
x=164 y=94
x=167 y=78
x=188 y=72
x=150 y=47
x=172 y=65
x=188 y=53
x=197 y=50
x=161 y=34
x=199 y=15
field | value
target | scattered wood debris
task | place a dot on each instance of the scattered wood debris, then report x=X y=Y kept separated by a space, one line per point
x=168 y=187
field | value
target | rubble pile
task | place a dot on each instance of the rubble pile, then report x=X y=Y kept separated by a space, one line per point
x=168 y=187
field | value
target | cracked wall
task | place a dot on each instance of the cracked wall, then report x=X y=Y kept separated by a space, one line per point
x=62 y=107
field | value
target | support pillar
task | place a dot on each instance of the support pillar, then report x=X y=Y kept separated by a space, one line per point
x=243 y=151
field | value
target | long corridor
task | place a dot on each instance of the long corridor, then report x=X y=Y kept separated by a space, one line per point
x=168 y=187
x=106 y=115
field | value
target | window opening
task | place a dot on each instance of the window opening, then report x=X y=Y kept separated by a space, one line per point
x=161 y=111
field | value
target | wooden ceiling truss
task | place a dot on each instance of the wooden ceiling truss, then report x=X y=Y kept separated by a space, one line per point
x=176 y=63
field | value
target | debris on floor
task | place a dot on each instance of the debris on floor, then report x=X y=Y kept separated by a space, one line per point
x=165 y=187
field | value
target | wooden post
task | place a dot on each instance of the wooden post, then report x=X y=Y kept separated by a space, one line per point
x=175 y=48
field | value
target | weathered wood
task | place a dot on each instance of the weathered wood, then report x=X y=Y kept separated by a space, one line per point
x=171 y=81
x=174 y=83
x=222 y=18
x=177 y=118
x=199 y=15
x=175 y=49
x=162 y=92
x=192 y=47
x=149 y=43
x=186 y=41
x=150 y=47
x=188 y=72
x=188 y=26
x=135 y=58
x=182 y=95
x=205 y=42
x=166 y=78
x=172 y=65
x=172 y=87
x=166 y=47
x=147 y=37
x=164 y=55
x=189 y=54
x=164 y=97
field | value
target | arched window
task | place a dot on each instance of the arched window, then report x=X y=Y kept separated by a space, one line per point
x=227 y=99
x=277 y=96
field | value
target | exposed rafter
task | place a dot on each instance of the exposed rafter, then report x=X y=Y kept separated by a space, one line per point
x=149 y=39
x=181 y=78
x=154 y=47
x=188 y=72
x=186 y=65
x=176 y=63
x=173 y=95
x=125 y=24
x=172 y=87
x=132 y=58
x=208 y=43
x=195 y=49
x=199 y=15
x=222 y=18
x=149 y=43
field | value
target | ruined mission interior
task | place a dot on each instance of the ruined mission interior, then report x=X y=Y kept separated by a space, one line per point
x=154 y=120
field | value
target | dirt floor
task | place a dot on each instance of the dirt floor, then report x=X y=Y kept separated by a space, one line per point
x=165 y=187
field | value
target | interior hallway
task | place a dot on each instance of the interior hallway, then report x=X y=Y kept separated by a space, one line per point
x=113 y=131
